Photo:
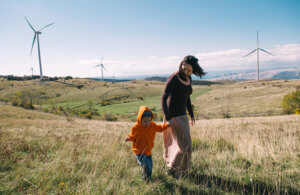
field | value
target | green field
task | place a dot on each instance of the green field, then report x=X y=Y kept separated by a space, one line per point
x=227 y=99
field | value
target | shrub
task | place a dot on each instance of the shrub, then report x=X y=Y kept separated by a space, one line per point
x=86 y=115
x=110 y=117
x=22 y=99
x=225 y=112
x=60 y=108
x=105 y=102
x=27 y=104
x=68 y=77
x=3 y=99
x=291 y=102
x=14 y=102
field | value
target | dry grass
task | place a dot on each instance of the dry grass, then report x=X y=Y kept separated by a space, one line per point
x=264 y=149
x=48 y=153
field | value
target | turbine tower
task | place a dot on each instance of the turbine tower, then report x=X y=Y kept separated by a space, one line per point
x=102 y=67
x=257 y=50
x=36 y=37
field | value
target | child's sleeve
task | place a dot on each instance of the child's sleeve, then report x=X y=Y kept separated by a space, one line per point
x=132 y=134
x=160 y=128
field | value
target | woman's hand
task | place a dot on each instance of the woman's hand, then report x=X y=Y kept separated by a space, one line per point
x=169 y=122
x=192 y=121
x=127 y=139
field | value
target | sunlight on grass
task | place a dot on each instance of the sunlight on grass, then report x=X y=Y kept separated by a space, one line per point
x=54 y=155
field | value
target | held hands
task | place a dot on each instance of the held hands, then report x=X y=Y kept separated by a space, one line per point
x=170 y=123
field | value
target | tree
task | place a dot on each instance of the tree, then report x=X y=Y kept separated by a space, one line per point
x=291 y=102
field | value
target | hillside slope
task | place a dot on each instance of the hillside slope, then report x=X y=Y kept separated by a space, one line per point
x=244 y=98
x=121 y=101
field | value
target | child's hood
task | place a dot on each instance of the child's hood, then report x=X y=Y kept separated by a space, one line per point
x=141 y=112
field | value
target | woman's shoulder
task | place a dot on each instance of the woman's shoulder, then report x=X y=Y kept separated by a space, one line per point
x=173 y=77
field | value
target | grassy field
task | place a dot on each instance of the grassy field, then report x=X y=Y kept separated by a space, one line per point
x=225 y=100
x=47 y=153
x=119 y=99
x=244 y=99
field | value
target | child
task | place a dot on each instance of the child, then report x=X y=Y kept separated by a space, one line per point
x=143 y=134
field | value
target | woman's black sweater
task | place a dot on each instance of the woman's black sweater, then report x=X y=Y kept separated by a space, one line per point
x=176 y=98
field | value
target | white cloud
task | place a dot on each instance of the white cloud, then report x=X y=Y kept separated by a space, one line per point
x=152 y=57
x=287 y=53
x=90 y=61
x=284 y=55
x=172 y=58
x=96 y=61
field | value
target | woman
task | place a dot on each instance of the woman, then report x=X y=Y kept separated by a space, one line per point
x=175 y=101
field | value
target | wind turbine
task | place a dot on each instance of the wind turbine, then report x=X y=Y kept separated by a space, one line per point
x=113 y=79
x=36 y=36
x=31 y=72
x=102 y=67
x=257 y=50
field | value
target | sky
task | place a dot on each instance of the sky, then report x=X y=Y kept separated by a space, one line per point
x=147 y=37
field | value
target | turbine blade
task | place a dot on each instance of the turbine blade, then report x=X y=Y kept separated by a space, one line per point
x=257 y=40
x=46 y=26
x=265 y=51
x=104 y=67
x=30 y=25
x=101 y=60
x=33 y=43
x=250 y=53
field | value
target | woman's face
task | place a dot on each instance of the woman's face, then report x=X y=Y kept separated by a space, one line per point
x=187 y=69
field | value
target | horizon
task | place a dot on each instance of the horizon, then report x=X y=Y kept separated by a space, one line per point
x=147 y=37
x=212 y=75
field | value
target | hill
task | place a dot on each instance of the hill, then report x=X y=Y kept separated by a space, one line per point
x=264 y=74
x=194 y=82
x=244 y=98
x=120 y=101
x=46 y=153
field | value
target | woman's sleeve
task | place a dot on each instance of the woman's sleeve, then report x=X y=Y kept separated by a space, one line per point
x=169 y=88
x=189 y=107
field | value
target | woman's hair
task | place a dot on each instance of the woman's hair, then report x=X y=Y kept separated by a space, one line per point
x=193 y=61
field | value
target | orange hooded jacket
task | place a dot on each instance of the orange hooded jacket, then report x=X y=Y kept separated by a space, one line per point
x=143 y=137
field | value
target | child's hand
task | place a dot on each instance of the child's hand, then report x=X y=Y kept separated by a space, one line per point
x=127 y=139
